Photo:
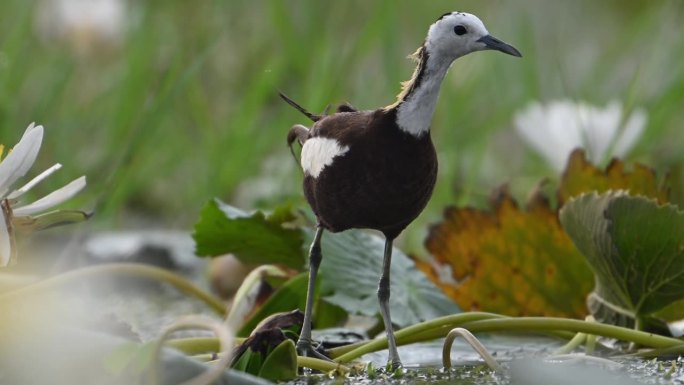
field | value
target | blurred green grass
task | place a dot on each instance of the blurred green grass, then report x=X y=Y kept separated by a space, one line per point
x=186 y=109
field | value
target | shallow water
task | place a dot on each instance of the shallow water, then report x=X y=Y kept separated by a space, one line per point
x=525 y=360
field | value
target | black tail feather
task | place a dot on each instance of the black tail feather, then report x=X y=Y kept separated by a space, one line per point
x=299 y=108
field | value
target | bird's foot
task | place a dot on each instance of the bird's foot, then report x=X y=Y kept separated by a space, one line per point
x=305 y=348
x=393 y=366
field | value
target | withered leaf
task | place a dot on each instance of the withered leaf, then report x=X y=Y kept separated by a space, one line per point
x=519 y=261
x=582 y=176
x=509 y=260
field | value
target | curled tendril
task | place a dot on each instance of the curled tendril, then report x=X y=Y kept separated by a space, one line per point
x=224 y=335
x=473 y=341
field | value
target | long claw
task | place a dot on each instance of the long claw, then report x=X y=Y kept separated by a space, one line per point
x=305 y=348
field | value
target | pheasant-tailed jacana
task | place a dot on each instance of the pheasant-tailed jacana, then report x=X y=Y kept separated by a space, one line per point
x=376 y=169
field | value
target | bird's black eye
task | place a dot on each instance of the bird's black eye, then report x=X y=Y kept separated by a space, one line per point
x=460 y=30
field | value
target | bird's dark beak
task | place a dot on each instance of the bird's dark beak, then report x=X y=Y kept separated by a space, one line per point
x=493 y=43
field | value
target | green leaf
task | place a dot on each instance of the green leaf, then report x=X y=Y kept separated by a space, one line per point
x=281 y=364
x=50 y=219
x=350 y=271
x=253 y=238
x=249 y=362
x=635 y=247
x=328 y=315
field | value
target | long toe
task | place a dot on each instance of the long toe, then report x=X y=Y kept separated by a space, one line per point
x=305 y=348
x=393 y=365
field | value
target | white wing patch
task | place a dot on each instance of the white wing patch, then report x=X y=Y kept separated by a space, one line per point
x=318 y=153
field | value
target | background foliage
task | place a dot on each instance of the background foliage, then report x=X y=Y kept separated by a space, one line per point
x=186 y=109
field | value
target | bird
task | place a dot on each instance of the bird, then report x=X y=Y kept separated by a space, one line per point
x=376 y=169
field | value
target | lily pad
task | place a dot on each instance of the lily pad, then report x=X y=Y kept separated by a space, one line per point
x=349 y=274
x=635 y=247
x=253 y=238
x=350 y=271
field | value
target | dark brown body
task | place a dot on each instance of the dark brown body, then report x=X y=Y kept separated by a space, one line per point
x=383 y=182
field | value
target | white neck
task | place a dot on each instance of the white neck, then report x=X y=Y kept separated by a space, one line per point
x=414 y=112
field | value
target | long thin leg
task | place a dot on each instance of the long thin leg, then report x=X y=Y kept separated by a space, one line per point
x=383 y=298
x=304 y=343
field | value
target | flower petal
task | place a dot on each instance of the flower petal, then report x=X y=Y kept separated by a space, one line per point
x=552 y=130
x=52 y=199
x=28 y=186
x=19 y=161
x=631 y=132
x=5 y=242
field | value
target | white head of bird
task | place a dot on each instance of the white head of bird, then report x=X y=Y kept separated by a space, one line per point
x=457 y=34
x=453 y=35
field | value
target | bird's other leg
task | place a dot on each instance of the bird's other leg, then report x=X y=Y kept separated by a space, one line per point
x=304 y=344
x=383 y=298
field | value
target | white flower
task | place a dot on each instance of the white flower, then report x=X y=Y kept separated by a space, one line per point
x=85 y=24
x=15 y=165
x=555 y=129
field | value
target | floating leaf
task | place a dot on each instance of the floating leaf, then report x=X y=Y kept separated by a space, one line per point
x=350 y=271
x=281 y=364
x=509 y=260
x=581 y=176
x=253 y=238
x=634 y=245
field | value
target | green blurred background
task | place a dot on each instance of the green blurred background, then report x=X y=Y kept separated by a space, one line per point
x=182 y=106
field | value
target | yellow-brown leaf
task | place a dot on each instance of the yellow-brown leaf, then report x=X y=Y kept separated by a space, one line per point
x=581 y=176
x=510 y=260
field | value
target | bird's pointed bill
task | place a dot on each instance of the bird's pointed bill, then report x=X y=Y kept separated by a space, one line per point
x=491 y=42
x=53 y=199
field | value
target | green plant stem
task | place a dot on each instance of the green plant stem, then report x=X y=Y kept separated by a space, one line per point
x=127 y=269
x=205 y=357
x=578 y=326
x=576 y=341
x=340 y=350
x=197 y=345
x=193 y=346
x=224 y=335
x=670 y=351
x=403 y=336
x=321 y=365
x=590 y=346
x=441 y=331
x=487 y=322
x=473 y=342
